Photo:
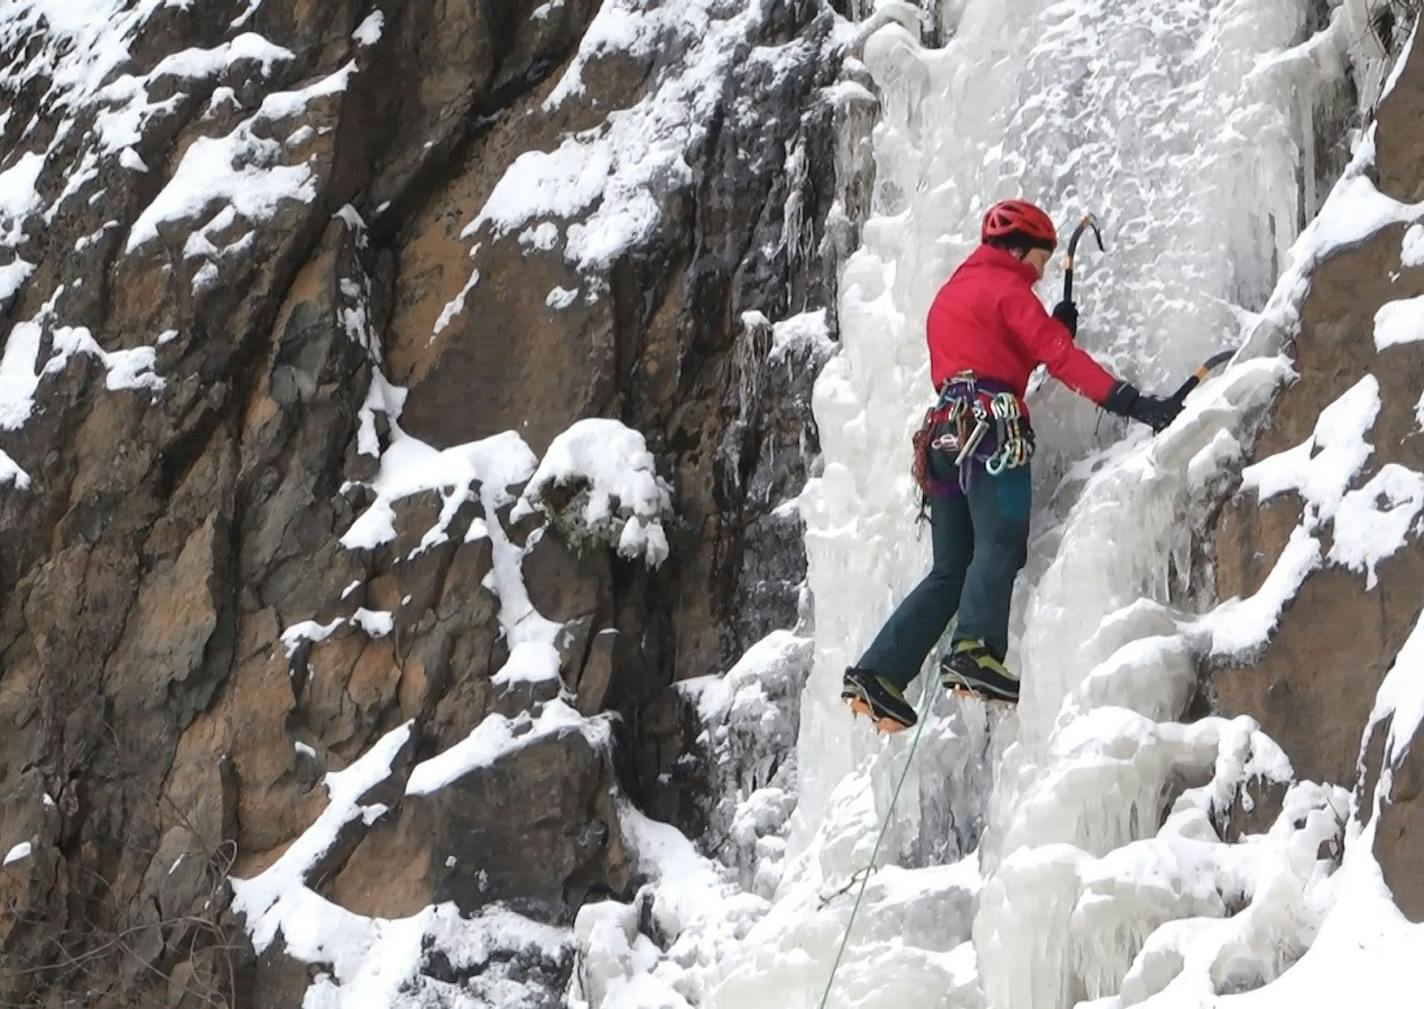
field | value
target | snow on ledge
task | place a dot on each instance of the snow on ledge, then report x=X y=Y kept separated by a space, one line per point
x=1374 y=521
x=1321 y=467
x=273 y=897
x=18 y=853
x=1401 y=696
x=618 y=496
x=11 y=473
x=1399 y=322
x=1411 y=253
x=495 y=738
x=410 y=466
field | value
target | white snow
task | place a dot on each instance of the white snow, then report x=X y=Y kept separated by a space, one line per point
x=1194 y=125
x=1399 y=64
x=620 y=496
x=807 y=333
x=529 y=662
x=308 y=630
x=560 y=298
x=1412 y=252
x=18 y=853
x=410 y=466
x=11 y=473
x=240 y=172
x=277 y=898
x=1401 y=697
x=243 y=172
x=1399 y=322
x=543 y=237
x=126 y=369
x=496 y=737
x=376 y=623
x=369 y=32
x=456 y=305
x=1321 y=468
x=13 y=277
x=609 y=180
x=304 y=749
x=1374 y=521
x=18 y=196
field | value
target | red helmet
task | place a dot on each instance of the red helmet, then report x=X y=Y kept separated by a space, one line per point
x=1016 y=217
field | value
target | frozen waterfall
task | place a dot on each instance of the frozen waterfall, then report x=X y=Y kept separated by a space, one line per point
x=1067 y=853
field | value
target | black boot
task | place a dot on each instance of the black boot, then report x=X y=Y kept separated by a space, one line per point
x=878 y=699
x=973 y=667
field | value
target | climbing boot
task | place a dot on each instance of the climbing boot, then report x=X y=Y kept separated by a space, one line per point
x=972 y=667
x=877 y=699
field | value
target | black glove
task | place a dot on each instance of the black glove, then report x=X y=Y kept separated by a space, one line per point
x=1067 y=313
x=1155 y=411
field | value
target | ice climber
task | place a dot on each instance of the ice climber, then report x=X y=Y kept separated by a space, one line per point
x=987 y=332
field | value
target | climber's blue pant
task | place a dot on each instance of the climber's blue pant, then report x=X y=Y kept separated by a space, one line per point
x=980 y=544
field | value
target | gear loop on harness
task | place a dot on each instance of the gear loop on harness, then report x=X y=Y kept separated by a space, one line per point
x=971 y=424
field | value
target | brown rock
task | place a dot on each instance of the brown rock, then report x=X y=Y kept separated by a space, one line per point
x=1401 y=159
x=553 y=795
x=1314 y=688
x=169 y=538
x=1401 y=820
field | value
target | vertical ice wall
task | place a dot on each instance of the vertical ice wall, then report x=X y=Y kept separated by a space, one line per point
x=1187 y=126
x=1190 y=128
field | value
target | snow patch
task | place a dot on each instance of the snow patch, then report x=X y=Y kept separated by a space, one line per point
x=242 y=173
x=560 y=299
x=1412 y=252
x=18 y=853
x=617 y=495
x=376 y=623
x=370 y=30
x=11 y=473
x=614 y=176
x=806 y=335
x=277 y=898
x=529 y=662
x=1399 y=322
x=1374 y=521
x=1321 y=468
x=308 y=631
x=497 y=737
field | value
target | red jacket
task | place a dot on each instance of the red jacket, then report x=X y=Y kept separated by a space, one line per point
x=987 y=320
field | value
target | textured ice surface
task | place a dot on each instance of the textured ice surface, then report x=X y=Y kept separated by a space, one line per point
x=1101 y=873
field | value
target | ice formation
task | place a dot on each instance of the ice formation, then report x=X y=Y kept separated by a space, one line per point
x=1099 y=874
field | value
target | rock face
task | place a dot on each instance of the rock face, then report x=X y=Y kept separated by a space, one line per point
x=233 y=232
x=1314 y=689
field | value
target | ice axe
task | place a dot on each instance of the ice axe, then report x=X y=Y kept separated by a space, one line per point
x=1211 y=363
x=1088 y=221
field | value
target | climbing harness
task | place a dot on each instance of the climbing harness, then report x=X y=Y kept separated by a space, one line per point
x=931 y=690
x=959 y=427
x=1089 y=222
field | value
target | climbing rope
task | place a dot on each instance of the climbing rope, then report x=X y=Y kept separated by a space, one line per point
x=930 y=692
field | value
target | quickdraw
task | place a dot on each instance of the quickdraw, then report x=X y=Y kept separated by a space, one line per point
x=959 y=424
x=1015 y=436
